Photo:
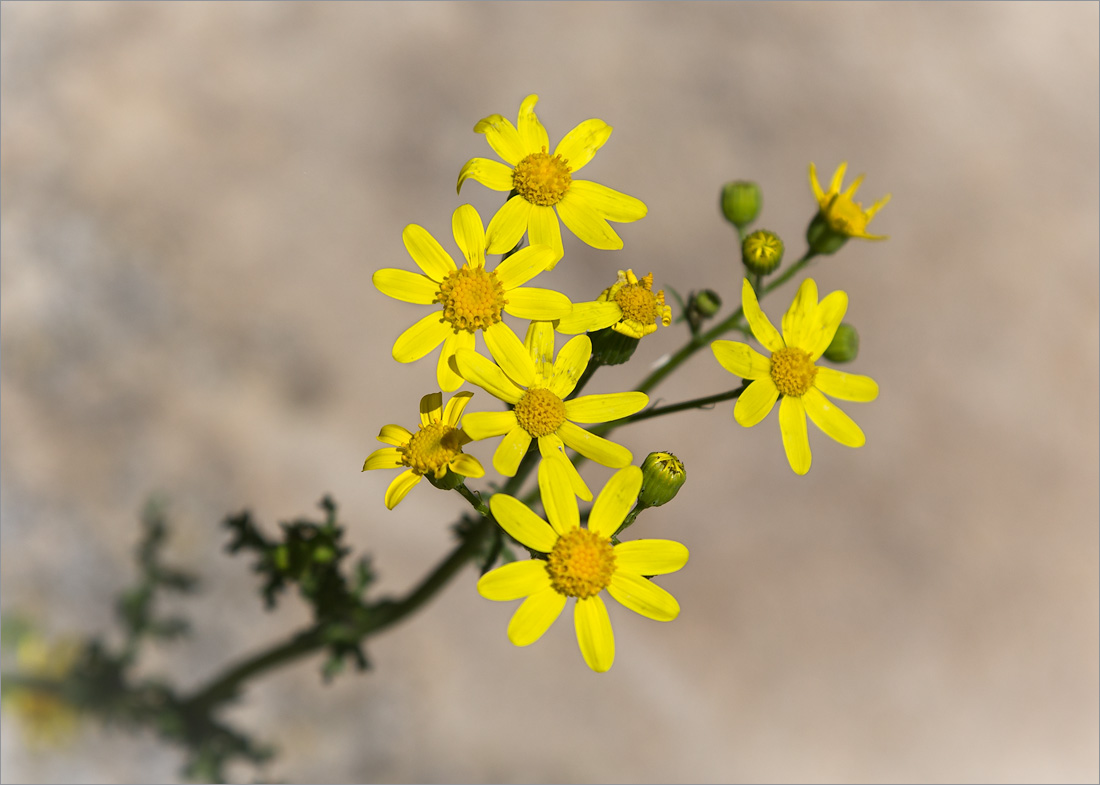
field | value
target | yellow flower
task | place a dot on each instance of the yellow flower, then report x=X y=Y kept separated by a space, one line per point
x=581 y=563
x=628 y=306
x=790 y=373
x=470 y=298
x=537 y=385
x=433 y=449
x=844 y=215
x=544 y=182
x=47 y=719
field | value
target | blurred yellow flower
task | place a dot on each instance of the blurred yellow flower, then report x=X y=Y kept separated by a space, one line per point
x=790 y=372
x=844 y=215
x=47 y=719
x=629 y=306
x=544 y=182
x=581 y=563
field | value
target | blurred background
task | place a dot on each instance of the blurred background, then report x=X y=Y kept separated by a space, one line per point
x=195 y=197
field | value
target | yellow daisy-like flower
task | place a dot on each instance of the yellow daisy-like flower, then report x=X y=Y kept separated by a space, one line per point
x=581 y=563
x=844 y=215
x=537 y=385
x=434 y=449
x=629 y=306
x=470 y=298
x=47 y=719
x=544 y=182
x=790 y=372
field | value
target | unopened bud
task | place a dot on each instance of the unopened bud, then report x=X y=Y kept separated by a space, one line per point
x=762 y=252
x=741 y=202
x=706 y=303
x=663 y=475
x=845 y=344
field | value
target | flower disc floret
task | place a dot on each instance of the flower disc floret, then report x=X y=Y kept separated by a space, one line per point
x=793 y=371
x=540 y=412
x=581 y=564
x=431 y=448
x=472 y=299
x=542 y=179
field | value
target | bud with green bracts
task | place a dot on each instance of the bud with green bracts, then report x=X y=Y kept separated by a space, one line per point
x=741 y=201
x=663 y=475
x=823 y=239
x=845 y=344
x=610 y=347
x=705 y=303
x=762 y=251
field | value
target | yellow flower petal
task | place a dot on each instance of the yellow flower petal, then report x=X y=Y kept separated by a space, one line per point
x=740 y=359
x=446 y=376
x=491 y=174
x=611 y=204
x=516 y=518
x=838 y=178
x=406 y=286
x=605 y=407
x=755 y=402
x=383 y=458
x=486 y=375
x=830 y=312
x=552 y=447
x=580 y=145
x=834 y=422
x=650 y=557
x=510 y=451
x=466 y=465
x=508 y=225
x=395 y=435
x=594 y=447
x=642 y=596
x=557 y=495
x=594 y=633
x=453 y=412
x=523 y=265
x=510 y=354
x=400 y=487
x=792 y=425
x=534 y=616
x=816 y=186
x=588 y=225
x=531 y=131
x=421 y=338
x=540 y=347
x=615 y=500
x=543 y=229
x=514 y=580
x=431 y=408
x=570 y=364
x=542 y=305
x=469 y=233
x=503 y=137
x=484 y=425
x=586 y=317
x=426 y=251
x=846 y=386
x=768 y=336
x=799 y=319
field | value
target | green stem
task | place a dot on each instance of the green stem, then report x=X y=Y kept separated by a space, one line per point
x=672 y=408
x=474 y=499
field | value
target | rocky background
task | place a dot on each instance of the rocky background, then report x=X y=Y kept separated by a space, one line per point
x=195 y=197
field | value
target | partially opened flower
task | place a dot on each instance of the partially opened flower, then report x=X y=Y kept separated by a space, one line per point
x=543 y=183
x=790 y=373
x=629 y=306
x=536 y=385
x=581 y=563
x=844 y=215
x=468 y=299
x=433 y=450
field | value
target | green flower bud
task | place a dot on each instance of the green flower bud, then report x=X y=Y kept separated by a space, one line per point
x=762 y=252
x=823 y=239
x=448 y=482
x=741 y=202
x=663 y=474
x=845 y=345
x=706 y=303
x=610 y=347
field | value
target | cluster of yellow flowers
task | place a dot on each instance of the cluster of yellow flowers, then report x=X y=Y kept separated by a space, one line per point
x=537 y=381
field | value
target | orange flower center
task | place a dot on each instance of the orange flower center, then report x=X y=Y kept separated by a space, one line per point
x=793 y=371
x=472 y=299
x=581 y=564
x=542 y=179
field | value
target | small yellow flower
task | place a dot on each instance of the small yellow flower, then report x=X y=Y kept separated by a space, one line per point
x=47 y=719
x=844 y=215
x=434 y=449
x=581 y=563
x=629 y=306
x=790 y=372
x=537 y=385
x=469 y=299
x=544 y=182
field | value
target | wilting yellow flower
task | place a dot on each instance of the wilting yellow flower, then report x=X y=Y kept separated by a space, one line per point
x=469 y=298
x=544 y=182
x=537 y=385
x=790 y=373
x=629 y=306
x=48 y=720
x=581 y=563
x=434 y=449
x=844 y=215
